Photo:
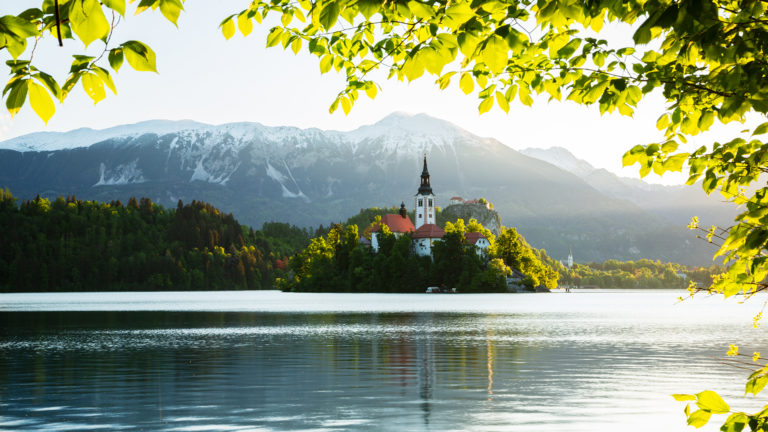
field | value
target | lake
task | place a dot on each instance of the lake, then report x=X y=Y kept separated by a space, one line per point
x=595 y=360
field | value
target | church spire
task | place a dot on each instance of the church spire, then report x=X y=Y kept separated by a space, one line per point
x=425 y=200
x=425 y=188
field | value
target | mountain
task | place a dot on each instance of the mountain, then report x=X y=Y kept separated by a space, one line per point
x=673 y=203
x=312 y=177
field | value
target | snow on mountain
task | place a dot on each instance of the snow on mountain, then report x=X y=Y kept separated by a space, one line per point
x=311 y=176
x=405 y=134
x=84 y=137
x=562 y=159
x=399 y=132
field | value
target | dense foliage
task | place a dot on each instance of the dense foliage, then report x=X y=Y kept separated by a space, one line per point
x=707 y=58
x=642 y=273
x=337 y=262
x=73 y=245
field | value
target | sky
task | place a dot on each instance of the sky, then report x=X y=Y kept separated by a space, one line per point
x=206 y=78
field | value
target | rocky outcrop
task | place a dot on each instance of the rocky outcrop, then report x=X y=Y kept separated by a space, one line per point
x=487 y=217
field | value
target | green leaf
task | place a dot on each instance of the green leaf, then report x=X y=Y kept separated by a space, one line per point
x=87 y=20
x=94 y=87
x=325 y=63
x=104 y=75
x=502 y=101
x=662 y=122
x=466 y=83
x=413 y=67
x=486 y=105
x=228 y=28
x=699 y=418
x=329 y=14
x=421 y=10
x=171 y=9
x=569 y=48
x=116 y=5
x=675 y=162
x=139 y=56
x=760 y=130
x=706 y=120
x=368 y=7
x=736 y=422
x=345 y=105
x=494 y=54
x=712 y=402
x=13 y=34
x=49 y=83
x=244 y=24
x=458 y=13
x=17 y=96
x=115 y=58
x=756 y=385
x=296 y=45
x=371 y=90
x=683 y=397
x=41 y=101
x=525 y=95
x=710 y=182
x=274 y=36
x=467 y=43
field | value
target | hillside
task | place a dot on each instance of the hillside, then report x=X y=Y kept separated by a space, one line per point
x=673 y=203
x=310 y=177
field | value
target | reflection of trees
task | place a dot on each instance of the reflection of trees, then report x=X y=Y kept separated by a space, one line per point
x=426 y=365
x=298 y=364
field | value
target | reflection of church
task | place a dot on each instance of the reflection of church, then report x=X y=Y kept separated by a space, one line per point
x=425 y=231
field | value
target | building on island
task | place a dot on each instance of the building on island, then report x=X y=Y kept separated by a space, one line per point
x=424 y=237
x=479 y=241
x=569 y=262
x=425 y=200
x=456 y=200
x=424 y=232
x=398 y=224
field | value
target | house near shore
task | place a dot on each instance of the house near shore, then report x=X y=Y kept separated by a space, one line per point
x=398 y=225
x=424 y=231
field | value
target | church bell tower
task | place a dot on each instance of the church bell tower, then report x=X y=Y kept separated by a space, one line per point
x=425 y=200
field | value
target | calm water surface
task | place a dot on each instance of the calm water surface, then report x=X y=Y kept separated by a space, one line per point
x=270 y=361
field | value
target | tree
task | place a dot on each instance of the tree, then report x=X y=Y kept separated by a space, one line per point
x=86 y=21
x=706 y=57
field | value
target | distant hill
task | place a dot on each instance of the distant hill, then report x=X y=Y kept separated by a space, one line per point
x=676 y=204
x=311 y=177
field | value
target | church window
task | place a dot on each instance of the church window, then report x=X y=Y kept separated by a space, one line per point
x=421 y=202
x=430 y=202
x=419 y=215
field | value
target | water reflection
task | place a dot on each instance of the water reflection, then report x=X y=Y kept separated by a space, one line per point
x=359 y=371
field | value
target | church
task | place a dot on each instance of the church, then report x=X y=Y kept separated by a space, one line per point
x=425 y=231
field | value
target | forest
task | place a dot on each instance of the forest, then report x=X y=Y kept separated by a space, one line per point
x=643 y=273
x=68 y=244
x=337 y=262
x=71 y=245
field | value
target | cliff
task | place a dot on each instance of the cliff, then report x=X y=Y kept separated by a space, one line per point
x=489 y=218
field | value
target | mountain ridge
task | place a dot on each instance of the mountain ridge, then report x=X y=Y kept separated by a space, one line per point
x=311 y=177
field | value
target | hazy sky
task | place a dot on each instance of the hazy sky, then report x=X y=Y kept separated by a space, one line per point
x=206 y=78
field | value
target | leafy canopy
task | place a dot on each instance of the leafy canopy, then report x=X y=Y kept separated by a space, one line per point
x=706 y=57
x=88 y=21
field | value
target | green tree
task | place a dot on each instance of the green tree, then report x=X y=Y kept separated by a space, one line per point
x=73 y=21
x=707 y=58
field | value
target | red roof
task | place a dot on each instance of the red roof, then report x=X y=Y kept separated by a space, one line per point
x=429 y=231
x=473 y=237
x=457 y=198
x=396 y=223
